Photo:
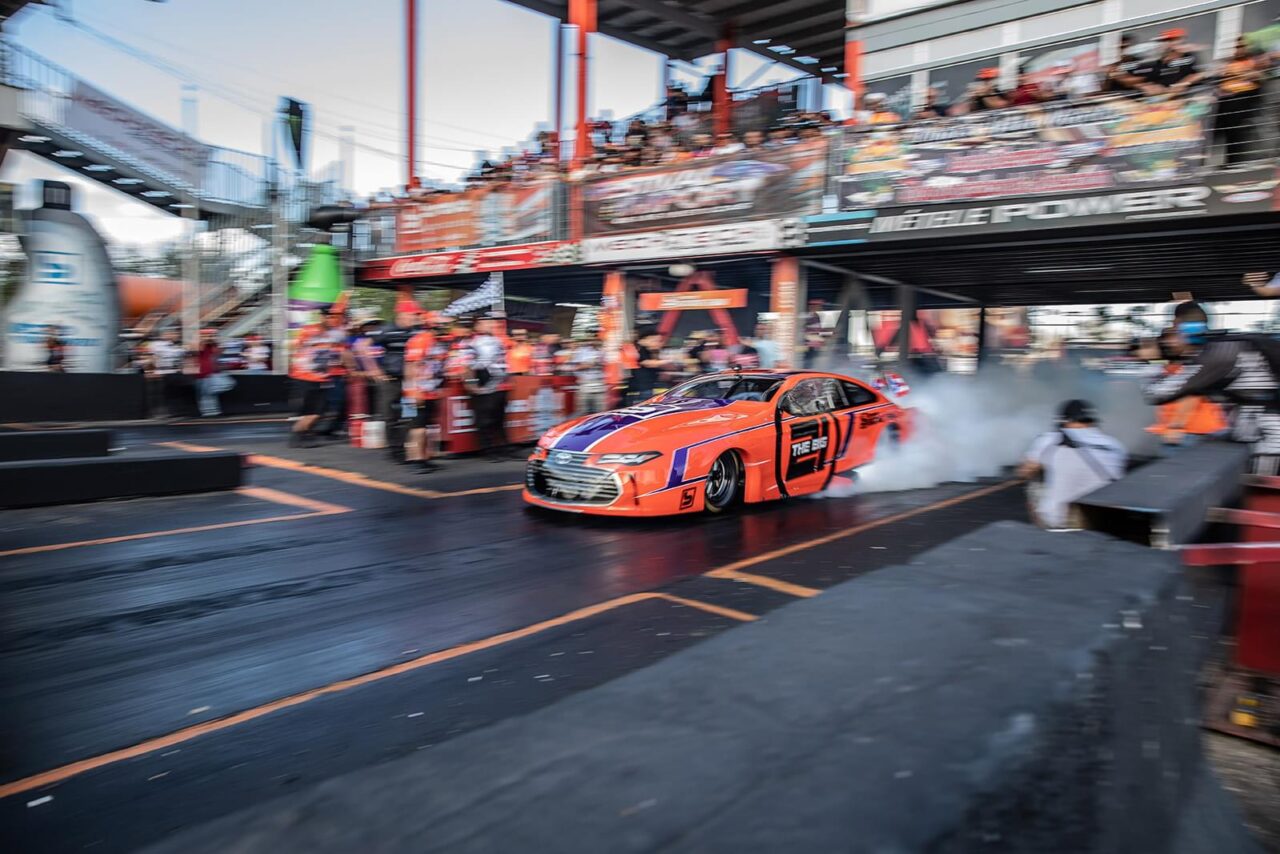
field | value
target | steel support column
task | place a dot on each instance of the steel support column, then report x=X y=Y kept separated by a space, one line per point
x=721 y=104
x=786 y=296
x=411 y=91
x=582 y=14
x=855 y=11
x=907 y=301
x=558 y=99
x=982 y=334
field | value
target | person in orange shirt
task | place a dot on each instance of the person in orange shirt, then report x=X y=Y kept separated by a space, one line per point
x=519 y=353
x=313 y=354
x=424 y=373
x=1189 y=419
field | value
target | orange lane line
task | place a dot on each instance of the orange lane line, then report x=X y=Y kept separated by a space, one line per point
x=340 y=475
x=58 y=775
x=347 y=476
x=315 y=509
x=265 y=493
x=733 y=570
x=189 y=447
x=797 y=590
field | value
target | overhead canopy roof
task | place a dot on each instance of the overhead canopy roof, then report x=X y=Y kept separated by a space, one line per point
x=688 y=29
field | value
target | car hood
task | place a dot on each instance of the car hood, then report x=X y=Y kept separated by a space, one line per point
x=657 y=426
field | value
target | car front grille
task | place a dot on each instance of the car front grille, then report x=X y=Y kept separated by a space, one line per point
x=564 y=477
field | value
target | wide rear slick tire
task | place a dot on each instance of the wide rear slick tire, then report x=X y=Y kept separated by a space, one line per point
x=724 y=483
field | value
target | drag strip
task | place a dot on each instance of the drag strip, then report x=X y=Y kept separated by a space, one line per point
x=114 y=655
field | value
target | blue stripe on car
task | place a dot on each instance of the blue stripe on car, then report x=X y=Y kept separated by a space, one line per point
x=586 y=434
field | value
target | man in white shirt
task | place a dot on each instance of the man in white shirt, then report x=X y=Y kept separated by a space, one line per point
x=1074 y=460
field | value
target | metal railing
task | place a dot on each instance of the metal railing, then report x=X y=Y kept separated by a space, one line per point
x=227 y=176
x=1221 y=133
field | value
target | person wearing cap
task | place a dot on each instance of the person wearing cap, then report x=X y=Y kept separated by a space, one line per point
x=393 y=342
x=1238 y=369
x=487 y=382
x=1068 y=463
x=1174 y=69
x=984 y=92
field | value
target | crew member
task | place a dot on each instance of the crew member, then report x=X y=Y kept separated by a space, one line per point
x=424 y=374
x=309 y=368
x=487 y=382
x=1240 y=369
x=1188 y=419
x=1070 y=462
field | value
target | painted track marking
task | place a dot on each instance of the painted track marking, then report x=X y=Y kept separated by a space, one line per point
x=66 y=772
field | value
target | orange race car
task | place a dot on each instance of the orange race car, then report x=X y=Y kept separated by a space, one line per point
x=714 y=441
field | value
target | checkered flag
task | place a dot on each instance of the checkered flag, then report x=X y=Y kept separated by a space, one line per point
x=486 y=296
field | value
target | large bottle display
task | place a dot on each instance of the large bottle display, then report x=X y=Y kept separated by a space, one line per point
x=70 y=285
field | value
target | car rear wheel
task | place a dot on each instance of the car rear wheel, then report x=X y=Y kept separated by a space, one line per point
x=724 y=483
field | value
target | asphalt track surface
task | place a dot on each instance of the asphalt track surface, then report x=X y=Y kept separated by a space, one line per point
x=167 y=661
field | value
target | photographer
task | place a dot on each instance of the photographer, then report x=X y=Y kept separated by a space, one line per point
x=1069 y=462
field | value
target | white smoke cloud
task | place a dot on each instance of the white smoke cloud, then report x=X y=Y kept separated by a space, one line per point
x=969 y=427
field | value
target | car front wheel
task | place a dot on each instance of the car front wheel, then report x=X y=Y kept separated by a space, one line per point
x=724 y=483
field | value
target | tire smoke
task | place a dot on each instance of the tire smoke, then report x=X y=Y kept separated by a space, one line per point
x=970 y=427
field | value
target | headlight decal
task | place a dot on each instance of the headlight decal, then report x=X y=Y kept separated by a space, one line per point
x=634 y=458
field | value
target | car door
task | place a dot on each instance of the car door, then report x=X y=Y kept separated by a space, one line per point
x=809 y=435
x=860 y=422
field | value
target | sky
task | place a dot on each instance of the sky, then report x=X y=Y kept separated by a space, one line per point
x=485 y=82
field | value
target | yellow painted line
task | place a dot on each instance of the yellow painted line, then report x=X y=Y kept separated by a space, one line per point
x=314 y=509
x=66 y=772
x=733 y=571
x=288 y=498
x=354 y=478
x=798 y=590
x=189 y=447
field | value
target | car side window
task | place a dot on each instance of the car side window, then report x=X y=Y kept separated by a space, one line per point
x=856 y=395
x=814 y=397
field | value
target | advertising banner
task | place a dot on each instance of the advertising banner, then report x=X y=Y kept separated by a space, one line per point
x=140 y=138
x=1249 y=192
x=478 y=217
x=692 y=242
x=690 y=300
x=744 y=186
x=492 y=259
x=1112 y=144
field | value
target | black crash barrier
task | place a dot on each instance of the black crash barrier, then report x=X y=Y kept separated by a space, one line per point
x=53 y=444
x=129 y=475
x=1013 y=691
x=1166 y=502
x=35 y=397
x=31 y=396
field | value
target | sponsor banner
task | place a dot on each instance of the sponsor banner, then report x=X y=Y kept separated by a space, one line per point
x=1060 y=149
x=1238 y=193
x=725 y=239
x=778 y=182
x=689 y=300
x=140 y=138
x=478 y=217
x=493 y=259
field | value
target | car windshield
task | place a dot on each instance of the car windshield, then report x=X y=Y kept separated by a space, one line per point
x=726 y=388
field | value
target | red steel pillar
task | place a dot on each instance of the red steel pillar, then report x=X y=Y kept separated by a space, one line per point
x=721 y=106
x=786 y=296
x=855 y=11
x=582 y=14
x=559 y=95
x=411 y=90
